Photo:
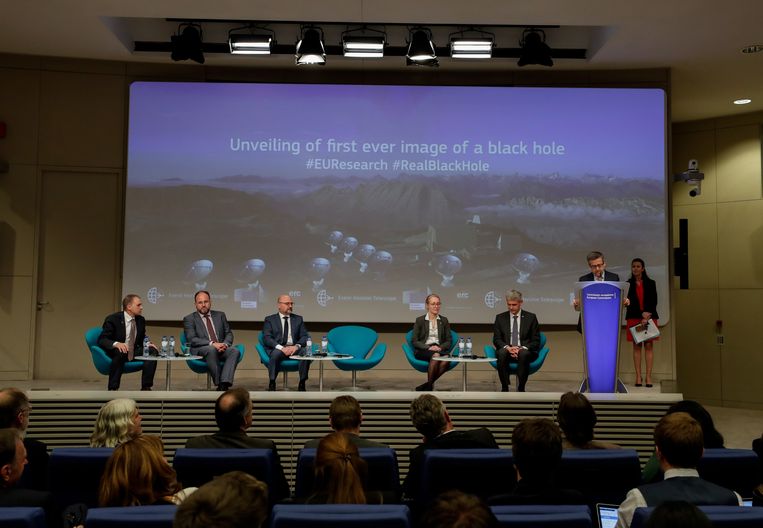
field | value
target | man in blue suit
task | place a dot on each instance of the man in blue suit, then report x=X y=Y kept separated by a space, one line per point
x=284 y=334
x=599 y=272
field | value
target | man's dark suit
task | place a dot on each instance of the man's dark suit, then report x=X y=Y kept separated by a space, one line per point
x=471 y=439
x=35 y=476
x=114 y=331
x=198 y=340
x=358 y=440
x=421 y=334
x=18 y=497
x=529 y=336
x=588 y=277
x=241 y=440
x=272 y=335
x=527 y=492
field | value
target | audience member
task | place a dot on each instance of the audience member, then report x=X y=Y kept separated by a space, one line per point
x=233 y=414
x=678 y=514
x=711 y=437
x=340 y=473
x=431 y=419
x=12 y=461
x=137 y=474
x=118 y=421
x=345 y=416
x=679 y=447
x=456 y=509
x=14 y=413
x=577 y=418
x=536 y=446
x=232 y=500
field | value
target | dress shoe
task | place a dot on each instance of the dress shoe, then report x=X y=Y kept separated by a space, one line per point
x=272 y=385
x=639 y=385
x=301 y=387
x=505 y=388
x=649 y=385
x=423 y=387
x=145 y=388
x=223 y=386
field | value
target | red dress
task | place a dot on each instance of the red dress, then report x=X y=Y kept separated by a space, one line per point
x=634 y=322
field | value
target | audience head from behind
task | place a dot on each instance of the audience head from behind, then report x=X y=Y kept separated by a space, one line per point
x=232 y=500
x=345 y=414
x=456 y=509
x=340 y=473
x=118 y=421
x=233 y=410
x=429 y=416
x=677 y=514
x=678 y=441
x=712 y=438
x=536 y=445
x=137 y=474
x=12 y=457
x=14 y=409
x=577 y=418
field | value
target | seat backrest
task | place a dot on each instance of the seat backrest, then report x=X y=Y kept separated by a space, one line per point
x=735 y=469
x=132 y=516
x=101 y=360
x=602 y=475
x=542 y=516
x=340 y=515
x=75 y=474
x=22 y=517
x=481 y=472
x=720 y=516
x=383 y=473
x=195 y=467
x=353 y=339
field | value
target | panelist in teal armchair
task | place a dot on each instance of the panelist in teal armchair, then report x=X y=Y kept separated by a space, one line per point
x=431 y=337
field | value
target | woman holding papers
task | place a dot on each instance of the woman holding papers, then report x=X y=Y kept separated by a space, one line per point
x=642 y=295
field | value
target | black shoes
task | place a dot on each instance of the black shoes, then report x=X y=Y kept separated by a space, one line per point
x=425 y=387
x=301 y=387
x=145 y=388
x=272 y=386
x=504 y=388
x=223 y=386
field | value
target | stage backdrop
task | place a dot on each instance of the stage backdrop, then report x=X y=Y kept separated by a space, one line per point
x=359 y=200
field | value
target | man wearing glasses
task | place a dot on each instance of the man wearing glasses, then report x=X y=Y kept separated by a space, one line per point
x=599 y=272
x=283 y=335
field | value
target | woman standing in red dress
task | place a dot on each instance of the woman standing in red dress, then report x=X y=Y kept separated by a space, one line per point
x=642 y=295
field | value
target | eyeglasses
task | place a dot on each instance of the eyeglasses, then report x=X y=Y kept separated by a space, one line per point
x=281 y=302
x=435 y=304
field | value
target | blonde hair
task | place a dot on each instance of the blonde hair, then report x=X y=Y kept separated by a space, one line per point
x=339 y=470
x=115 y=423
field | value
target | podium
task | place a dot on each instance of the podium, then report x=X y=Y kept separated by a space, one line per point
x=601 y=312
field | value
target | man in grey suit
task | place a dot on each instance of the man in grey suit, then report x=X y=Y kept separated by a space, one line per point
x=345 y=416
x=284 y=334
x=516 y=338
x=208 y=334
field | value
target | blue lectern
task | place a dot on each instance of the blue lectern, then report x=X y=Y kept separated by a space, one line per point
x=601 y=305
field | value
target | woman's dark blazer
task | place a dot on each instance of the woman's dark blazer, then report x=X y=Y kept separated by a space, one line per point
x=650 y=299
x=421 y=333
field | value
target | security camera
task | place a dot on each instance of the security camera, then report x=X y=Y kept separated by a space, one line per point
x=693 y=177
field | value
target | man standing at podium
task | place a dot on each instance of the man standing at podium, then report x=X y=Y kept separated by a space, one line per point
x=598 y=273
x=516 y=338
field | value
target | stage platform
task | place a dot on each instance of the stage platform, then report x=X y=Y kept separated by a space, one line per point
x=65 y=418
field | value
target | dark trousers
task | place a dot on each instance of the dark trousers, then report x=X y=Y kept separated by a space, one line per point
x=523 y=367
x=118 y=361
x=276 y=357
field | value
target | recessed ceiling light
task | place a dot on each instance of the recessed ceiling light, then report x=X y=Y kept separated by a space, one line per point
x=753 y=48
x=742 y=101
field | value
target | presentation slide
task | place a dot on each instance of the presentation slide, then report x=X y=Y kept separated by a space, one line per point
x=359 y=200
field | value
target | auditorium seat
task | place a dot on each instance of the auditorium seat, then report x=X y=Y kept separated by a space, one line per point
x=735 y=469
x=340 y=516
x=357 y=341
x=543 y=516
x=720 y=516
x=422 y=366
x=75 y=474
x=195 y=467
x=131 y=516
x=534 y=365
x=18 y=517
x=287 y=365
x=101 y=359
x=602 y=475
x=383 y=473
x=481 y=472
x=199 y=366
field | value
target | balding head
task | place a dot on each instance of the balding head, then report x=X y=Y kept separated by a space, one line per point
x=233 y=410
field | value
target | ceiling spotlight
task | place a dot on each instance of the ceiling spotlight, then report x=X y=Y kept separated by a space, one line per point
x=534 y=48
x=421 y=49
x=742 y=101
x=187 y=44
x=471 y=47
x=310 y=49
x=363 y=47
x=249 y=44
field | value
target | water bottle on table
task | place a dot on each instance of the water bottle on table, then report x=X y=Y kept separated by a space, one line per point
x=324 y=345
x=468 y=347
x=146 y=341
x=172 y=346
x=165 y=344
x=461 y=346
x=309 y=346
